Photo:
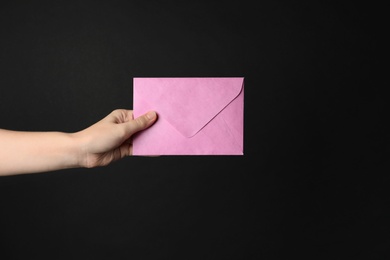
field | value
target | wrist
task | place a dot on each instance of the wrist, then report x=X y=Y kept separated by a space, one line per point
x=78 y=150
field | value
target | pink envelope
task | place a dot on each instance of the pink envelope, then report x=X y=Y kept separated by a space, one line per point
x=196 y=116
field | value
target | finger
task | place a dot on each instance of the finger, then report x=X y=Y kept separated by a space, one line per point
x=118 y=116
x=126 y=149
x=141 y=123
x=128 y=115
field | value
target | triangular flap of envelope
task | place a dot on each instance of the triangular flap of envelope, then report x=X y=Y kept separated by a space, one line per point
x=188 y=104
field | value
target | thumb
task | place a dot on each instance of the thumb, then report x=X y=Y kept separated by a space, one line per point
x=140 y=123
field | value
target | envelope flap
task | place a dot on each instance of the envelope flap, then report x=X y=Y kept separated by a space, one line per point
x=188 y=104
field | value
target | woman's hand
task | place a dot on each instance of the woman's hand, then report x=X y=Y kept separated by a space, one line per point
x=110 y=139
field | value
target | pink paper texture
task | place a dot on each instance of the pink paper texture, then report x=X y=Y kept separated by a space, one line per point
x=196 y=116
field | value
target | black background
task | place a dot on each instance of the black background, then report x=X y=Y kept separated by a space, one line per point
x=312 y=183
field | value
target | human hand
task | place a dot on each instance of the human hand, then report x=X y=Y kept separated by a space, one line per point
x=110 y=139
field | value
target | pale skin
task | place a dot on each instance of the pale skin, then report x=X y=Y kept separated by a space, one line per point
x=102 y=143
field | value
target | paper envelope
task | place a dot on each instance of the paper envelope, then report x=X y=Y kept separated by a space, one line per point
x=196 y=116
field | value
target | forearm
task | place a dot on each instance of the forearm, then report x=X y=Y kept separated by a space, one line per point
x=98 y=145
x=30 y=152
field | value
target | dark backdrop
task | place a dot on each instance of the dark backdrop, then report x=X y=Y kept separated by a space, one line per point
x=311 y=183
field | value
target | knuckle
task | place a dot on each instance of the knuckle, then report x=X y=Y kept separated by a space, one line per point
x=116 y=111
x=141 y=122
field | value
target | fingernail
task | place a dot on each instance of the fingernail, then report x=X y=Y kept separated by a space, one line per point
x=151 y=115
